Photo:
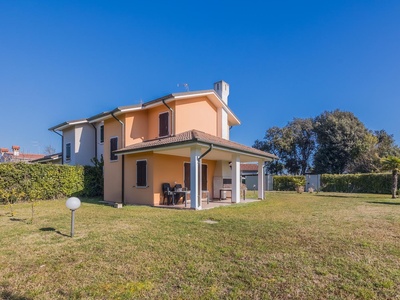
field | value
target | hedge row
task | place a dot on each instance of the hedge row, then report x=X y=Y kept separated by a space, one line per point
x=357 y=183
x=25 y=182
x=346 y=183
x=287 y=183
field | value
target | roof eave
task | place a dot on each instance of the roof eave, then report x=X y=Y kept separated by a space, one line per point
x=65 y=125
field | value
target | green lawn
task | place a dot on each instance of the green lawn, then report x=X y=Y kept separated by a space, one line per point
x=300 y=246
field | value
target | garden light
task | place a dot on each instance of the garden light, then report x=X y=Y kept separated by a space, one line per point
x=73 y=204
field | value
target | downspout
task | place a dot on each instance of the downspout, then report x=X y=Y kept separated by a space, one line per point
x=123 y=158
x=95 y=140
x=62 y=145
x=199 y=168
x=172 y=118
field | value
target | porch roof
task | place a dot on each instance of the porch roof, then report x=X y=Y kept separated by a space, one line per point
x=180 y=145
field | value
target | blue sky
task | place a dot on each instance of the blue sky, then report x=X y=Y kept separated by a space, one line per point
x=65 y=60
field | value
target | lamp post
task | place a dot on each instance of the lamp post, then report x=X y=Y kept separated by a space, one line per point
x=73 y=204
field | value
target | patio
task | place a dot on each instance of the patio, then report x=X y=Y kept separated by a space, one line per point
x=204 y=205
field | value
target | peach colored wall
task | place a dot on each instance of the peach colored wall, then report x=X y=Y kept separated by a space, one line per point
x=153 y=119
x=198 y=113
x=134 y=194
x=160 y=169
x=170 y=169
x=136 y=124
x=112 y=170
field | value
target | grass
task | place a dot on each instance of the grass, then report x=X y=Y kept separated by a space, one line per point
x=300 y=246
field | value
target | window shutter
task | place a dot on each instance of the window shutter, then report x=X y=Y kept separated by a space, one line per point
x=102 y=134
x=141 y=173
x=163 y=124
x=113 y=147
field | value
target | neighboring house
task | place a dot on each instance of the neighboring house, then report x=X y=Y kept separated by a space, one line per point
x=55 y=158
x=16 y=155
x=249 y=174
x=179 y=138
x=82 y=140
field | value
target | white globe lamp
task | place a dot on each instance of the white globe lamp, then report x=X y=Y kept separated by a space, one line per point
x=73 y=204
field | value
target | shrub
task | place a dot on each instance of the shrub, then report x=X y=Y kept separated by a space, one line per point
x=288 y=183
x=29 y=182
x=357 y=183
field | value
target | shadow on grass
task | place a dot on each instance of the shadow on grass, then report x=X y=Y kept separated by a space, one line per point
x=53 y=229
x=97 y=201
x=18 y=220
x=339 y=196
x=386 y=203
x=11 y=296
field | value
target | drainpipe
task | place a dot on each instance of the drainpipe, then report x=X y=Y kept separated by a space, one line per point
x=95 y=140
x=199 y=168
x=123 y=158
x=62 y=145
x=172 y=118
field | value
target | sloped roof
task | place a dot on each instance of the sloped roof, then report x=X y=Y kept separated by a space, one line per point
x=67 y=124
x=48 y=158
x=210 y=94
x=193 y=137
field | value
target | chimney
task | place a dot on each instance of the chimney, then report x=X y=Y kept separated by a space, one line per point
x=15 y=150
x=222 y=89
x=3 y=150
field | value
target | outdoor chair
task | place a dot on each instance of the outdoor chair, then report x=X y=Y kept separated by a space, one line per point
x=168 y=193
x=178 y=192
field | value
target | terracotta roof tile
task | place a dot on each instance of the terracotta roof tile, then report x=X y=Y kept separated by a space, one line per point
x=190 y=137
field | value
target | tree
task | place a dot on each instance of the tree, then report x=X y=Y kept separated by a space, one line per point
x=294 y=144
x=341 y=139
x=49 y=150
x=385 y=145
x=272 y=145
x=392 y=163
x=377 y=144
x=302 y=145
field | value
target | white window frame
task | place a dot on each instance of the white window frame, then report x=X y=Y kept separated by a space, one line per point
x=68 y=159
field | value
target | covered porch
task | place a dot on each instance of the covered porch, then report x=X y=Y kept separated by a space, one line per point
x=201 y=167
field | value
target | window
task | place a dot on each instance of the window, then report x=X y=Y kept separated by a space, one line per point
x=141 y=173
x=113 y=147
x=102 y=134
x=163 y=124
x=68 y=152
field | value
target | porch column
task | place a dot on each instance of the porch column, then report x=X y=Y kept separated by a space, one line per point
x=195 y=185
x=260 y=180
x=236 y=179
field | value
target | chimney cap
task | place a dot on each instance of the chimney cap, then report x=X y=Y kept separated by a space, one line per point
x=15 y=147
x=3 y=150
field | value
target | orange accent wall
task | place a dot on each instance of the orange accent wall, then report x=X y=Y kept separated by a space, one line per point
x=112 y=170
x=198 y=113
x=136 y=124
x=160 y=169
x=134 y=194
x=153 y=119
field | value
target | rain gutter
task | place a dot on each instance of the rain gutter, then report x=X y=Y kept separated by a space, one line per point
x=172 y=118
x=123 y=159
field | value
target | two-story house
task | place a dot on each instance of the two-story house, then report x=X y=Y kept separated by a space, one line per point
x=179 y=138
x=82 y=140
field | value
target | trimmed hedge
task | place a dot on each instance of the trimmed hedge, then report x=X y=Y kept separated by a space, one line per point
x=357 y=183
x=287 y=183
x=376 y=183
x=27 y=182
